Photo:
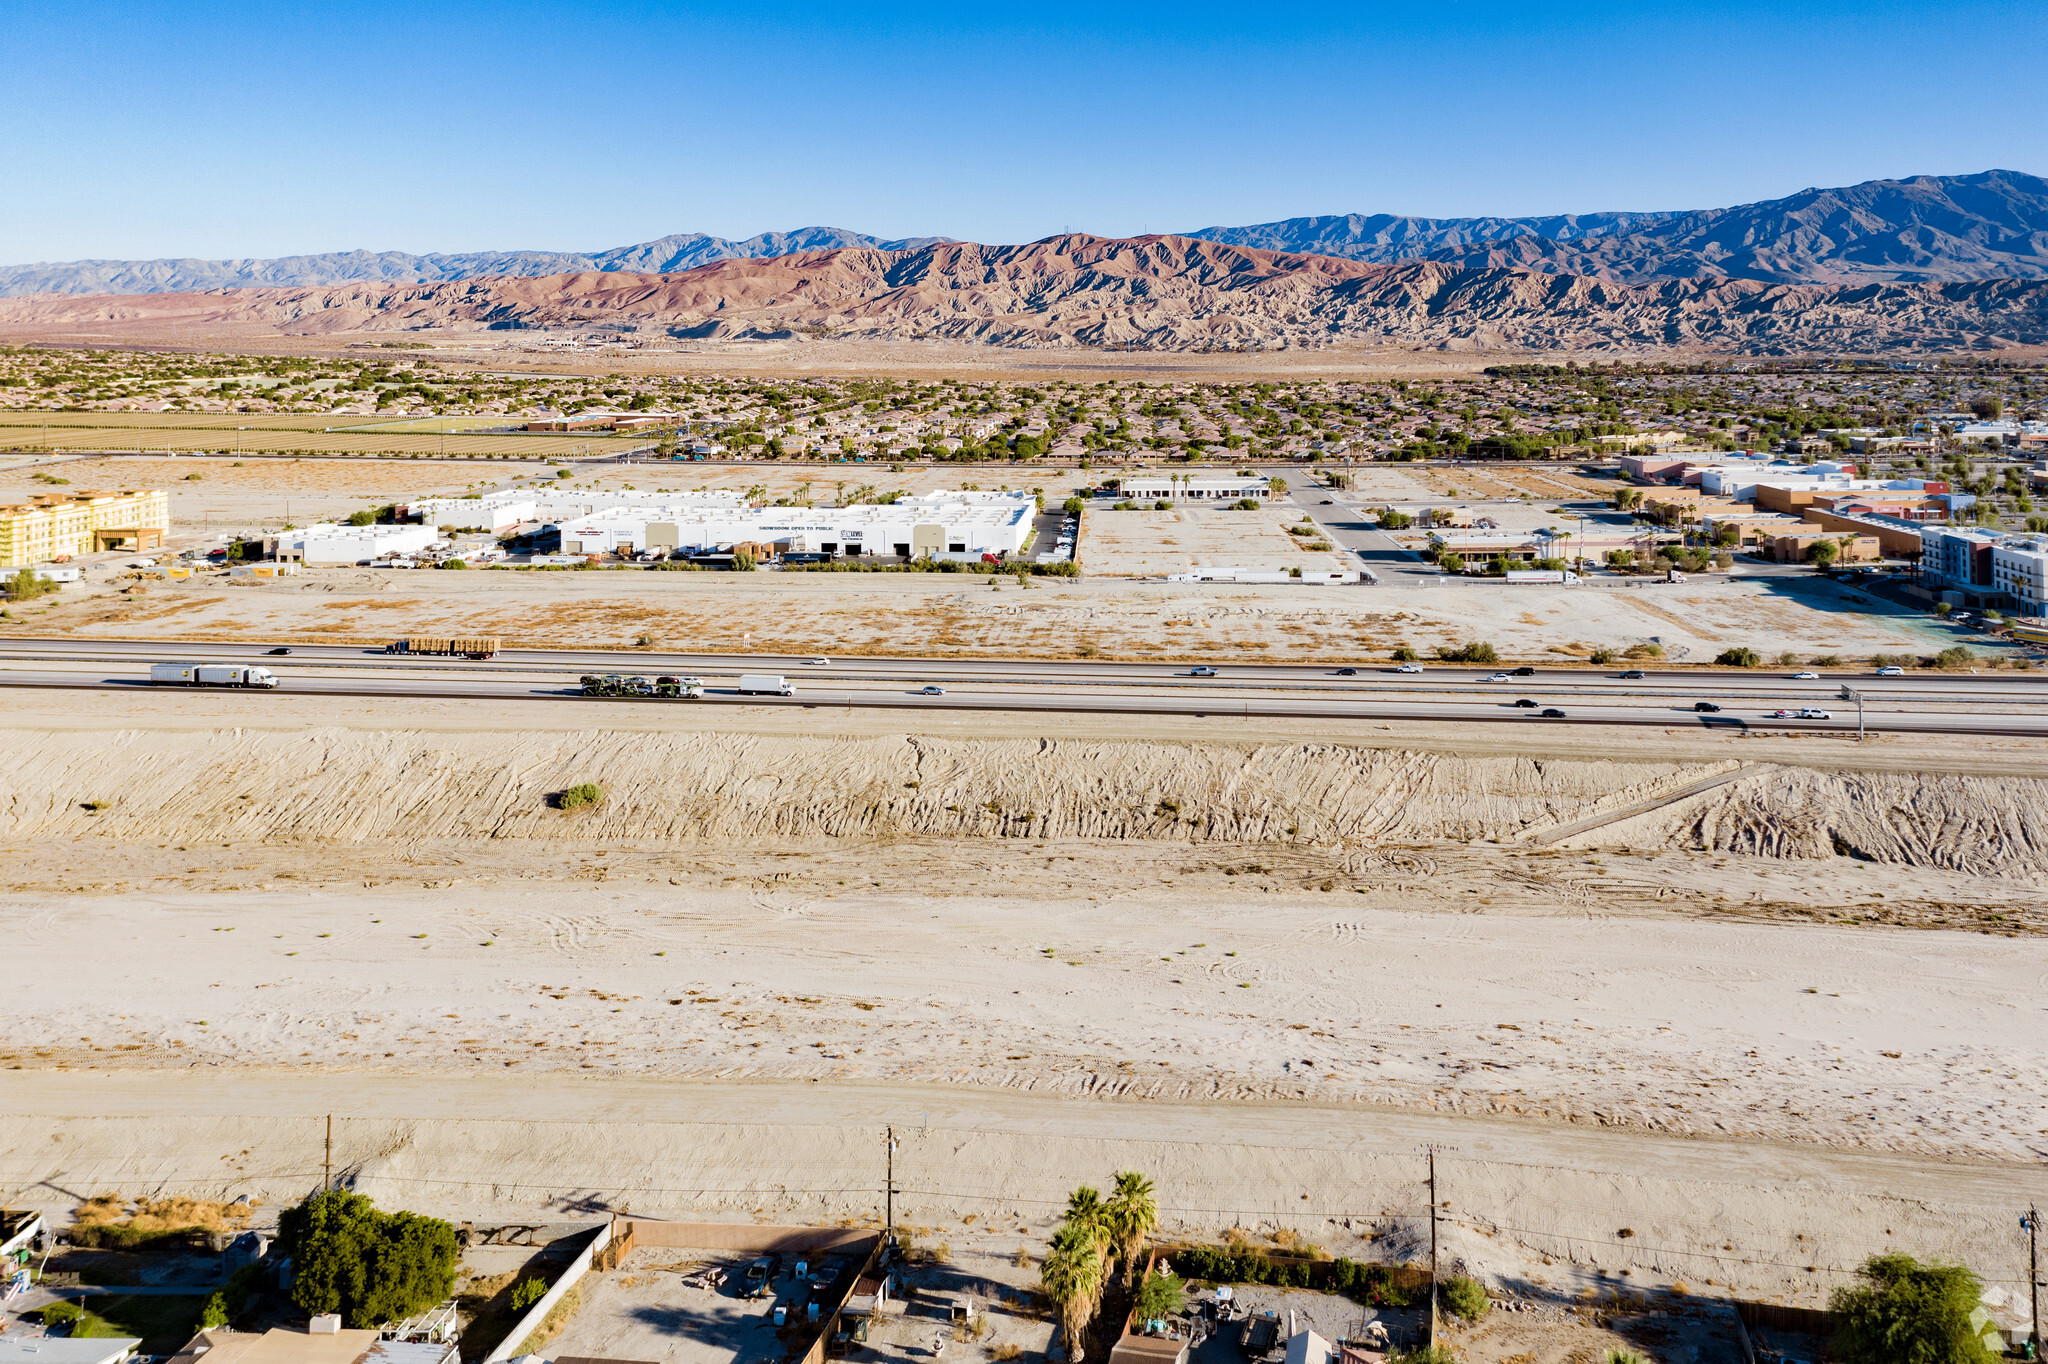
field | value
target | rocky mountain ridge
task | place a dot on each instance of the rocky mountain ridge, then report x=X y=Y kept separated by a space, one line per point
x=1163 y=293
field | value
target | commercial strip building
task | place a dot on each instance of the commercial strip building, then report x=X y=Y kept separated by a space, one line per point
x=510 y=508
x=1485 y=546
x=55 y=526
x=335 y=545
x=1148 y=486
x=937 y=525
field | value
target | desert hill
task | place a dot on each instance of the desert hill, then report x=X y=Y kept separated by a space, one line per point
x=1930 y=228
x=1172 y=293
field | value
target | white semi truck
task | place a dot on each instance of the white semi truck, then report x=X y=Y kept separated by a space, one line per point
x=765 y=684
x=210 y=675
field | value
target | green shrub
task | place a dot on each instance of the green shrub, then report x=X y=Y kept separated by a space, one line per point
x=1426 y=1354
x=1472 y=651
x=1906 y=1312
x=62 y=1314
x=1161 y=1296
x=452 y=563
x=1738 y=658
x=229 y=1300
x=582 y=794
x=527 y=1292
x=1955 y=656
x=1466 y=1297
x=27 y=585
x=1601 y=657
x=1404 y=654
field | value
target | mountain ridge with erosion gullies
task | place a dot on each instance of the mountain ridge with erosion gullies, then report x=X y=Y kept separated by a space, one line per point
x=1074 y=291
x=1928 y=228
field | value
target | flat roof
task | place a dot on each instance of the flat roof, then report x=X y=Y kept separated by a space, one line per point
x=65 y=1349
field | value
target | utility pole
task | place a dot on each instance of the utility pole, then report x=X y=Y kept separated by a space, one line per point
x=889 y=1193
x=2032 y=1222
x=327 y=1166
x=1431 y=1149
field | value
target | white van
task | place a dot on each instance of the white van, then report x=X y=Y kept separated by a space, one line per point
x=765 y=684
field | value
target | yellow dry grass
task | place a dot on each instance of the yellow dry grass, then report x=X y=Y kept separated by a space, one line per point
x=163 y=1214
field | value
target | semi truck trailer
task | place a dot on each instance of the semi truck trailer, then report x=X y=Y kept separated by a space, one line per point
x=210 y=675
x=482 y=646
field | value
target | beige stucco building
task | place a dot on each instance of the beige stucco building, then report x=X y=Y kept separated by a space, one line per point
x=50 y=526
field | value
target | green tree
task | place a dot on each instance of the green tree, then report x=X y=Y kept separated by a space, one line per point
x=1738 y=658
x=1906 y=1312
x=1073 y=506
x=1823 y=553
x=370 y=1266
x=1073 y=1276
x=743 y=562
x=1130 y=1216
x=362 y=518
x=27 y=585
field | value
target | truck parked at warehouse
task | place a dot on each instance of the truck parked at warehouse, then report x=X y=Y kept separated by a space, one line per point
x=210 y=675
x=482 y=646
x=765 y=684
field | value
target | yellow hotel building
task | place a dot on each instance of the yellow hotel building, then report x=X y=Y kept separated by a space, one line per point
x=49 y=527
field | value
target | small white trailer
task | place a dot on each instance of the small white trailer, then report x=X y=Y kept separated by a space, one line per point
x=210 y=675
x=765 y=684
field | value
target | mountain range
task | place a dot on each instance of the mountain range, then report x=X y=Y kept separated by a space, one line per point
x=1933 y=229
x=664 y=255
x=1158 y=293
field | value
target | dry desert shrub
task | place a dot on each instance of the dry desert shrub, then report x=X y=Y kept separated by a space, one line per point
x=163 y=1214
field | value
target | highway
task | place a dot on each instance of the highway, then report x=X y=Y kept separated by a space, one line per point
x=1945 y=705
x=1574 y=683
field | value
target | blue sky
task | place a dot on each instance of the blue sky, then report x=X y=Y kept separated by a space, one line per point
x=163 y=129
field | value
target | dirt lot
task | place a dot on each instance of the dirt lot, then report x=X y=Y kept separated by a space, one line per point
x=961 y=615
x=1152 y=544
x=251 y=494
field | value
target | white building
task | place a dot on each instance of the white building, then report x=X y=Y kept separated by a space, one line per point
x=937 y=525
x=1214 y=487
x=327 y=543
x=2019 y=568
x=509 y=507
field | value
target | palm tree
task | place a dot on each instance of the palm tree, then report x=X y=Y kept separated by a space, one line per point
x=1131 y=1214
x=1073 y=1275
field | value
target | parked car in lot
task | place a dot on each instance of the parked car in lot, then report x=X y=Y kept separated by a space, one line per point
x=760 y=1278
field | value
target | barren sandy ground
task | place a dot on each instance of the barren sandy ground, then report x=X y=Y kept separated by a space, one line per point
x=1156 y=543
x=946 y=615
x=1776 y=1024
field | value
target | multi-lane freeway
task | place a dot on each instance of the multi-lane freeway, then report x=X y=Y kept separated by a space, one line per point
x=1942 y=703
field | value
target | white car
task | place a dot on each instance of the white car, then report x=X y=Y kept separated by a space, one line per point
x=1500 y=677
x=1891 y=670
x=932 y=689
x=1813 y=713
x=817 y=663
x=1204 y=671
x=1409 y=668
x=1806 y=677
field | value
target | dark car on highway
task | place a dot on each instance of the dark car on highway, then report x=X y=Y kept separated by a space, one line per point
x=1347 y=672
x=1552 y=713
x=1705 y=707
x=1525 y=671
x=1632 y=675
x=1526 y=704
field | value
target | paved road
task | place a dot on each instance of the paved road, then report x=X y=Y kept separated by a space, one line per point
x=1218 y=705
x=1578 y=684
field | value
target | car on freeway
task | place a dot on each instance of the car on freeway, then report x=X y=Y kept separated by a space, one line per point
x=1552 y=713
x=817 y=663
x=279 y=650
x=1705 y=707
x=1779 y=715
x=1632 y=675
x=1525 y=671
x=1891 y=670
x=1814 y=713
x=931 y=689
x=1409 y=668
x=1204 y=671
x=1525 y=704
x=1500 y=677
x=1808 y=676
x=1345 y=672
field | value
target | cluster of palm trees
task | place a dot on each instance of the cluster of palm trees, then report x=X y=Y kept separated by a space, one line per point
x=1096 y=1234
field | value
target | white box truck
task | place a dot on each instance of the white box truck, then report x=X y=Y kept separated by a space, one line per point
x=210 y=675
x=1542 y=575
x=765 y=684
